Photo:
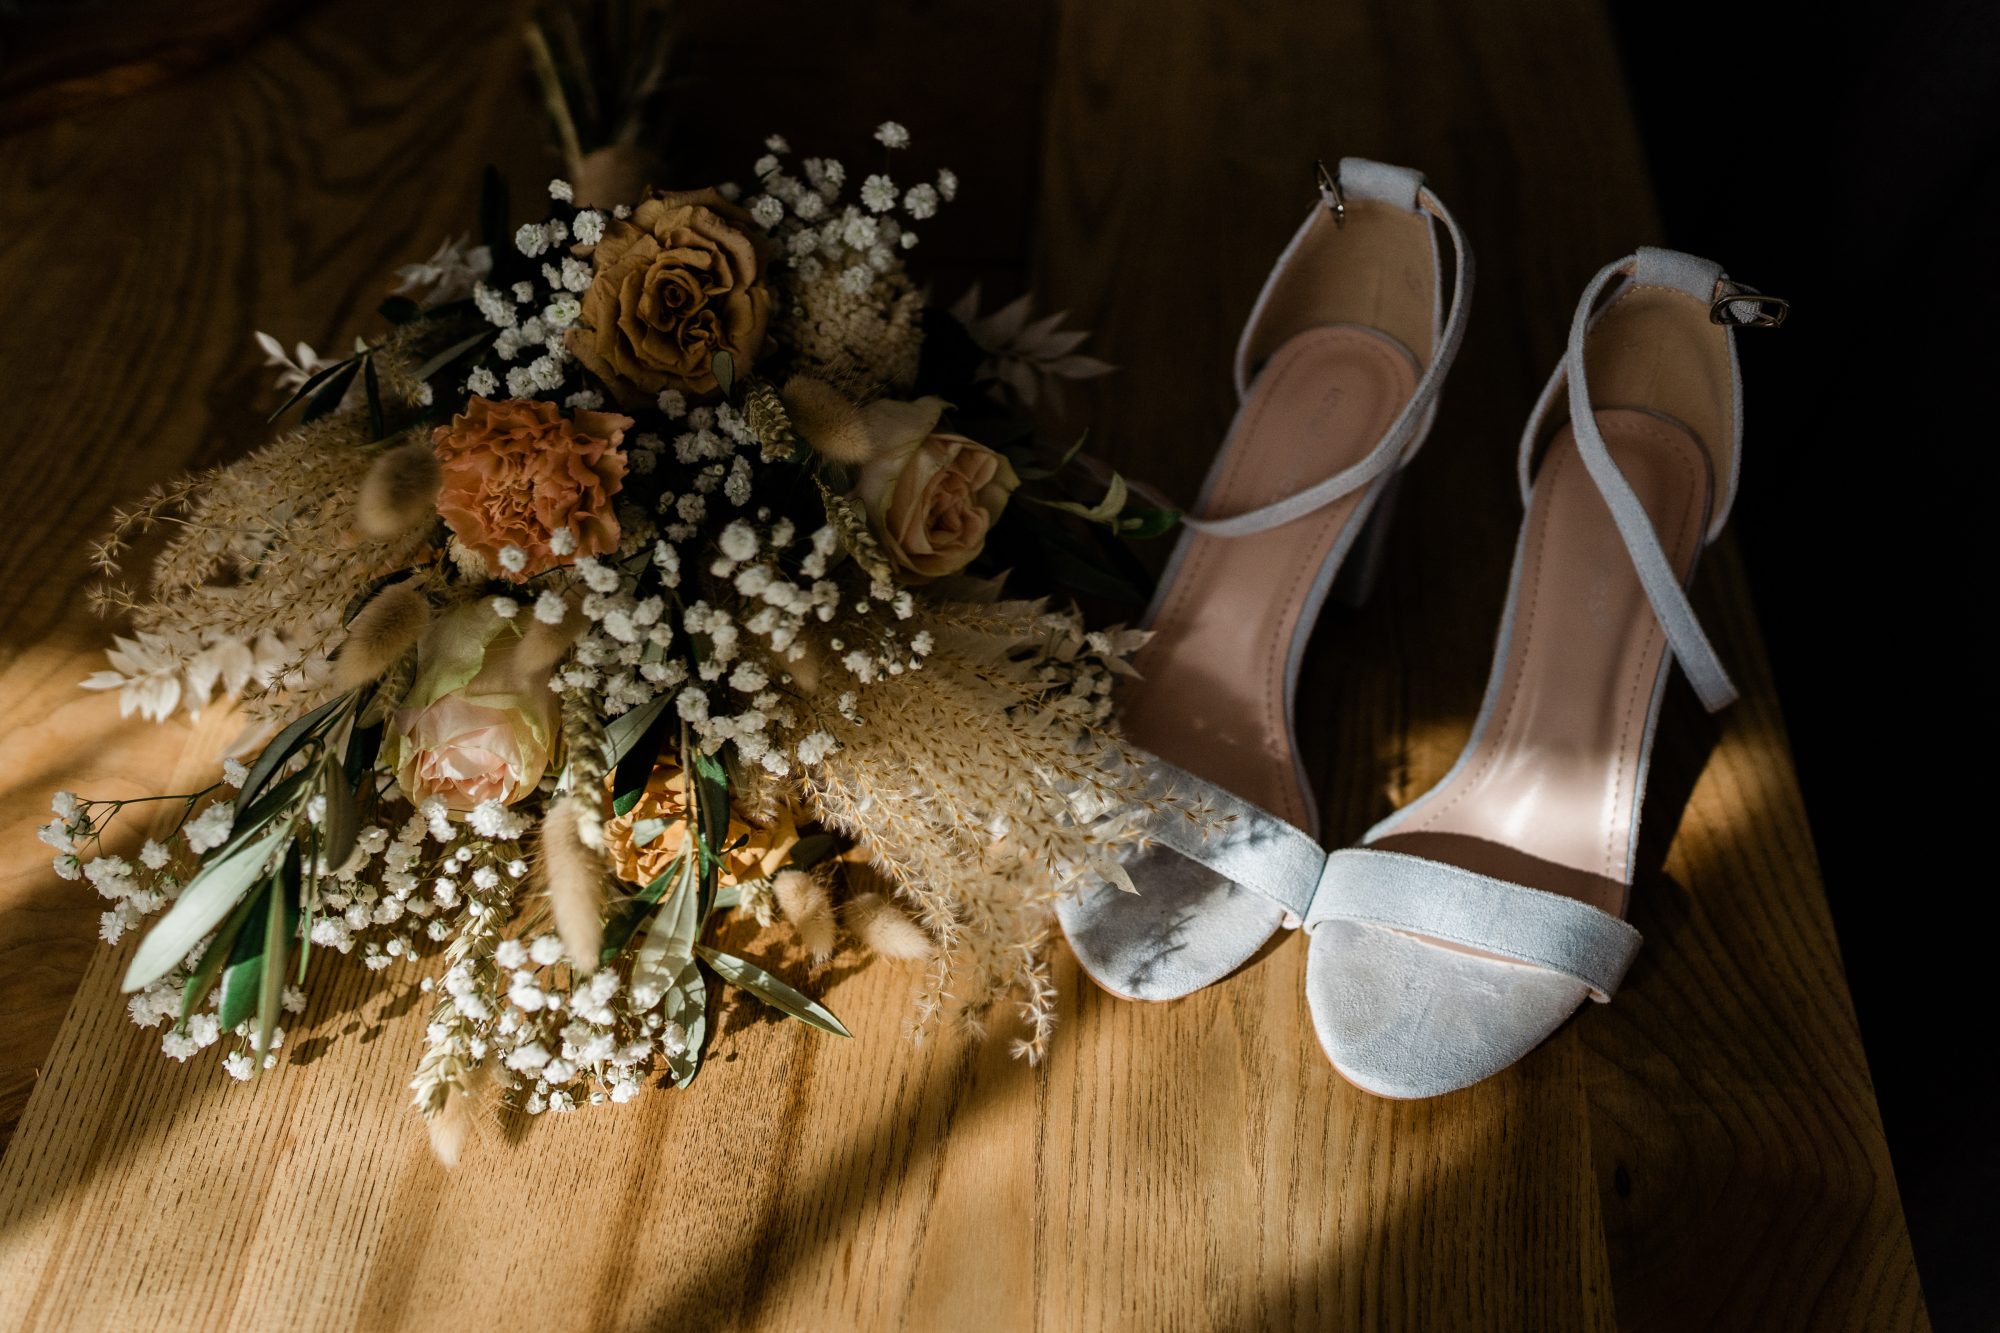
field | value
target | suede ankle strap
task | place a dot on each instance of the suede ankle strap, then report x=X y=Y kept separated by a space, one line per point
x=1398 y=187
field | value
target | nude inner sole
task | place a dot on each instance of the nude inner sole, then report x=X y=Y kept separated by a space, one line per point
x=1547 y=797
x=1212 y=687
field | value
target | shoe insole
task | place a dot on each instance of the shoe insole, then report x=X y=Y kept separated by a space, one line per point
x=1213 y=693
x=1547 y=796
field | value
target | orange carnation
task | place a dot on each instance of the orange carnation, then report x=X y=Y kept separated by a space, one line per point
x=518 y=472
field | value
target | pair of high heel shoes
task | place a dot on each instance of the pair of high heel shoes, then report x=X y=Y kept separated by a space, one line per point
x=1466 y=927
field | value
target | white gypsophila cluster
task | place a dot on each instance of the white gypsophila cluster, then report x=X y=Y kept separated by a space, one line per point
x=393 y=896
x=561 y=1039
x=136 y=889
x=534 y=315
x=551 y=1037
x=852 y=305
x=715 y=606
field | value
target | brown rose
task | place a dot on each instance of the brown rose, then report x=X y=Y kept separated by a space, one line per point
x=516 y=473
x=679 y=281
x=931 y=497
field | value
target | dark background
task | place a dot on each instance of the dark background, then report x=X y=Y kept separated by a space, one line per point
x=1845 y=158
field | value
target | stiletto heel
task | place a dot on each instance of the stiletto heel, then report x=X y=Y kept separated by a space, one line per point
x=1470 y=924
x=1362 y=570
x=1339 y=370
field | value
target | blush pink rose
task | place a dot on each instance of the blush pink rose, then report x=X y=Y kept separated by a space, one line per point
x=479 y=722
x=466 y=753
x=516 y=472
x=931 y=496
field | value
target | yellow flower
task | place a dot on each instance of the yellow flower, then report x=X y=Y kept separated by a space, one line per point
x=755 y=853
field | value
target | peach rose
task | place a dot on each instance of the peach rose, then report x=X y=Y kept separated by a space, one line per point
x=756 y=853
x=932 y=496
x=479 y=721
x=679 y=281
x=467 y=753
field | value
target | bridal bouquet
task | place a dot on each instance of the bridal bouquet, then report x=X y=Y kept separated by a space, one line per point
x=646 y=570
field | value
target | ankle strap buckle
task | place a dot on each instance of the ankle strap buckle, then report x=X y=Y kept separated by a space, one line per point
x=1746 y=309
x=1329 y=192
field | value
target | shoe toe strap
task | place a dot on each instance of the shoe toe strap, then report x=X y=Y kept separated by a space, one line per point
x=1243 y=843
x=1444 y=902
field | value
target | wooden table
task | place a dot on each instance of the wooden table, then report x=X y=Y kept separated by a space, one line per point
x=1705 y=1152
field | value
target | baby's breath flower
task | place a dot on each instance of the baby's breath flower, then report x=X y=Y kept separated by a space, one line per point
x=210 y=829
x=878 y=193
x=531 y=240
x=560 y=189
x=892 y=135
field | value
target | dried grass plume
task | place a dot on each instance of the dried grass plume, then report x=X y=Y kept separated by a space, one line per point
x=880 y=925
x=802 y=898
x=575 y=876
x=451 y=1125
x=829 y=420
x=380 y=633
x=400 y=490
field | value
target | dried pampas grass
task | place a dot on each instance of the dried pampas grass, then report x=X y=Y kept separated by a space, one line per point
x=984 y=786
x=380 y=633
x=575 y=875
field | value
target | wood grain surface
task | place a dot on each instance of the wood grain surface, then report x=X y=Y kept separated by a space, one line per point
x=1703 y=1153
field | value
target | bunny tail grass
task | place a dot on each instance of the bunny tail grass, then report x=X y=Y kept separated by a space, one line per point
x=451 y=1125
x=399 y=491
x=380 y=633
x=575 y=877
x=881 y=925
x=802 y=898
x=828 y=420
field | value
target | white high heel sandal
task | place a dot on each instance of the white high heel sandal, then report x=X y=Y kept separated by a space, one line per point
x=1470 y=924
x=1339 y=370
